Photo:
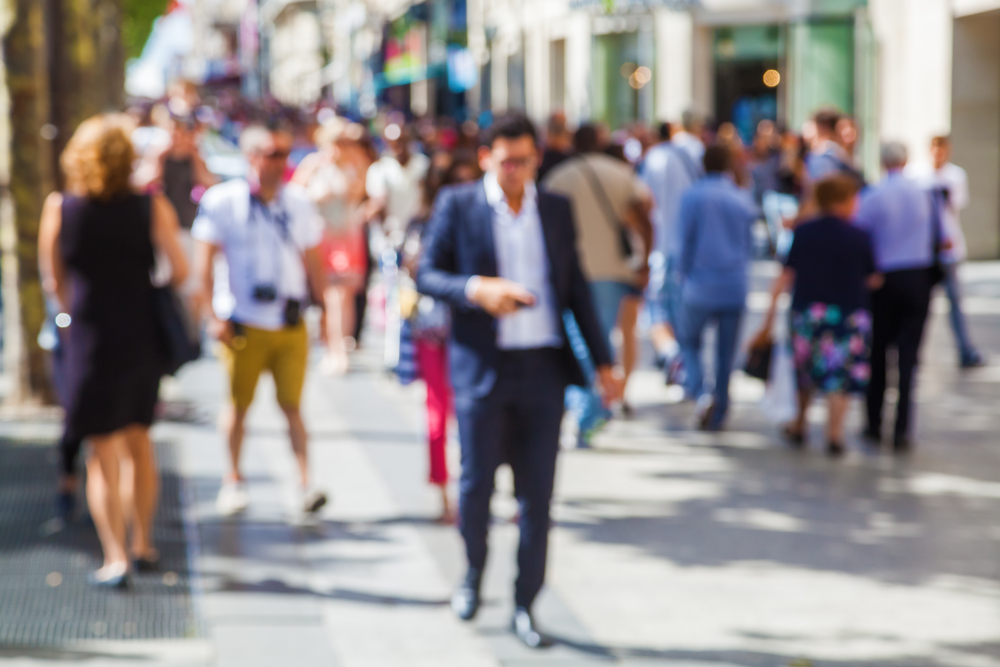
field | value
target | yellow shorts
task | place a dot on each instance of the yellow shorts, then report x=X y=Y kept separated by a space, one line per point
x=284 y=352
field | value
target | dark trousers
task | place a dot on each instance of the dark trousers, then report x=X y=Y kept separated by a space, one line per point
x=899 y=312
x=516 y=423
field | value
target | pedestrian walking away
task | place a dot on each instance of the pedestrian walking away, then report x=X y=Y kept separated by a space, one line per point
x=831 y=268
x=503 y=254
x=614 y=233
x=269 y=236
x=900 y=218
x=950 y=184
x=714 y=244
x=96 y=250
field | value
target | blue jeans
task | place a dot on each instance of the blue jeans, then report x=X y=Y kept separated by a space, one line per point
x=585 y=402
x=694 y=320
x=958 y=325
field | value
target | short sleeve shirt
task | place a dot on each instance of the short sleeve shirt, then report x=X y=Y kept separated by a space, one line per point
x=597 y=234
x=832 y=260
x=263 y=245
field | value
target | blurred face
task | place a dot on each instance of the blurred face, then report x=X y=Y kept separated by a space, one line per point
x=940 y=154
x=183 y=139
x=513 y=160
x=269 y=161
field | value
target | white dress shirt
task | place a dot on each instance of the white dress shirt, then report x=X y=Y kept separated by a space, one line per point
x=521 y=258
x=952 y=178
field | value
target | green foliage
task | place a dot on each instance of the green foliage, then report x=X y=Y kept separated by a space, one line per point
x=137 y=22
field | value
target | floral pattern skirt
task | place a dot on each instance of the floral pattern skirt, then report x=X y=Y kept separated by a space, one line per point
x=831 y=350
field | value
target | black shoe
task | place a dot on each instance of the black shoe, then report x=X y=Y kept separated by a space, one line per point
x=147 y=564
x=973 y=360
x=314 y=502
x=797 y=439
x=66 y=506
x=872 y=439
x=901 y=444
x=117 y=582
x=465 y=601
x=524 y=629
x=835 y=449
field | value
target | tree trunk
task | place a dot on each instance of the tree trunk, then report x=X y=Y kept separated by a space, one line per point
x=29 y=179
x=63 y=63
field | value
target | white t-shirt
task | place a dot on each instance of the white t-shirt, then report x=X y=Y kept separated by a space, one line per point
x=952 y=178
x=257 y=250
x=400 y=186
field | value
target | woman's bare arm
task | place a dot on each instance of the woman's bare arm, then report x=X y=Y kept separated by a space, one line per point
x=50 y=259
x=166 y=238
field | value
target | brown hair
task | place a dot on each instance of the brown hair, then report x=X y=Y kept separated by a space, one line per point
x=834 y=190
x=941 y=140
x=98 y=159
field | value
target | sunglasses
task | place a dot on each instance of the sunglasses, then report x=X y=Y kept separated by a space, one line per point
x=516 y=162
x=276 y=155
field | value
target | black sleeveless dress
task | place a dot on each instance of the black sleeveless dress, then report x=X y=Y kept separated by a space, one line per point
x=114 y=357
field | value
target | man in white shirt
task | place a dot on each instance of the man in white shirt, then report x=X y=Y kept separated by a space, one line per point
x=950 y=185
x=269 y=236
x=394 y=182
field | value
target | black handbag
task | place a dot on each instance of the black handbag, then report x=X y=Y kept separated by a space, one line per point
x=624 y=240
x=180 y=339
x=759 y=360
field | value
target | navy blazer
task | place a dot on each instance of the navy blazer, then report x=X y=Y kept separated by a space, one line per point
x=459 y=244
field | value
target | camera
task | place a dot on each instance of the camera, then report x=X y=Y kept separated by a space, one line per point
x=293 y=312
x=264 y=293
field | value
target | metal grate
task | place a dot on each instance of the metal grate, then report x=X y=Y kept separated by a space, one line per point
x=44 y=596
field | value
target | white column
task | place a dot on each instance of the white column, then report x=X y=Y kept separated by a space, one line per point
x=536 y=71
x=915 y=53
x=673 y=73
x=578 y=63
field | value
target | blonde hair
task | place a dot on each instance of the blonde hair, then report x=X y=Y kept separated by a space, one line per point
x=98 y=159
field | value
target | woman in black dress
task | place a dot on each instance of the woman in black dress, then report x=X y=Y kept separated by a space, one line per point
x=831 y=269
x=96 y=251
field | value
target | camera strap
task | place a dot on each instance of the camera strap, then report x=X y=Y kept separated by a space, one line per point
x=278 y=221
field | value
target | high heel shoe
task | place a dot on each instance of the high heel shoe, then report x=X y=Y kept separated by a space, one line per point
x=114 y=582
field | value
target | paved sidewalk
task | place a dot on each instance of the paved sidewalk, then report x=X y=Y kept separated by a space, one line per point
x=670 y=547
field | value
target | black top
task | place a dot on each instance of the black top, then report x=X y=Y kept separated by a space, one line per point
x=114 y=357
x=832 y=260
x=178 y=182
x=551 y=159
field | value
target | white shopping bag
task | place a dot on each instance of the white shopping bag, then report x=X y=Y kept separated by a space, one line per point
x=779 y=403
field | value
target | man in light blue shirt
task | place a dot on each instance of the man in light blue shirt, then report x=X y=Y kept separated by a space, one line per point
x=906 y=231
x=714 y=244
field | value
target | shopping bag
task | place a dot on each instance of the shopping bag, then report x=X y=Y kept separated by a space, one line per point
x=779 y=403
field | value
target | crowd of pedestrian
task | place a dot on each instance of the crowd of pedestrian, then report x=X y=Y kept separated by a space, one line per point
x=514 y=269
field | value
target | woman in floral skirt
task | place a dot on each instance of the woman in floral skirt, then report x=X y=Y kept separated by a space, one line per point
x=831 y=270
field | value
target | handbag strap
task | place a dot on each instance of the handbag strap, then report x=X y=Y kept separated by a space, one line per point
x=599 y=192
x=937 y=233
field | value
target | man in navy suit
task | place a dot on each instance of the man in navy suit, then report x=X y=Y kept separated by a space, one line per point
x=504 y=256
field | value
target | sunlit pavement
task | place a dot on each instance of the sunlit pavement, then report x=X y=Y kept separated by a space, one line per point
x=670 y=547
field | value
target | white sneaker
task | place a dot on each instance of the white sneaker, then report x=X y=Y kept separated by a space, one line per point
x=232 y=498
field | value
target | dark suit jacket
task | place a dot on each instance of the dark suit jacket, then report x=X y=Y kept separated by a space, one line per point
x=458 y=244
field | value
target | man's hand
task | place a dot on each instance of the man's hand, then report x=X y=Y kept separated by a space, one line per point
x=611 y=382
x=499 y=296
x=221 y=330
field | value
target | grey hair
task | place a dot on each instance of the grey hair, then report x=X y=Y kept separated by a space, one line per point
x=690 y=120
x=894 y=154
x=253 y=139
